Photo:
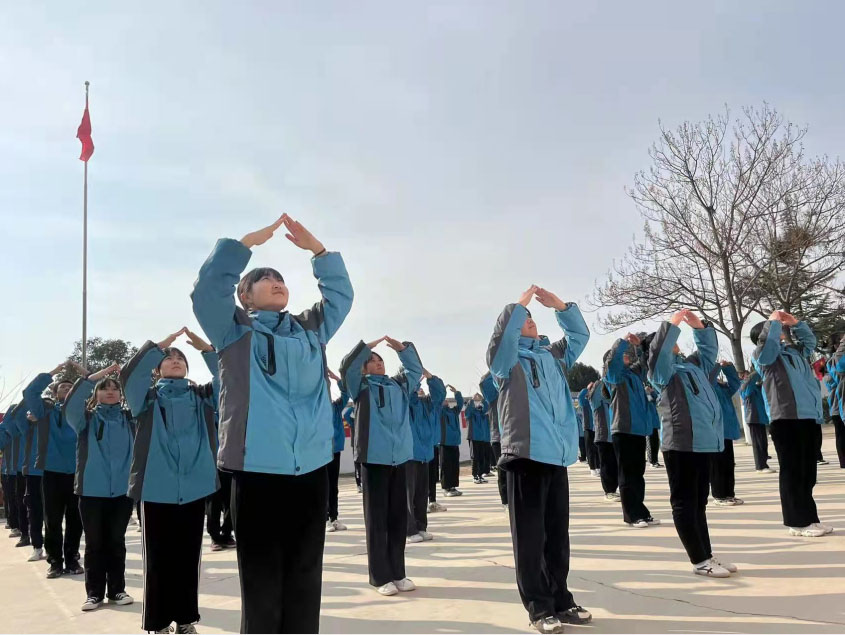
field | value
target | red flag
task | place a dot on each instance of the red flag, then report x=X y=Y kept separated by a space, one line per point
x=84 y=135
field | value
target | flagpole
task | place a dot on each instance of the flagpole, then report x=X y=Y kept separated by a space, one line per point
x=85 y=255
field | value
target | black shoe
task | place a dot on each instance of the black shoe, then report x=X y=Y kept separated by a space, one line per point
x=229 y=543
x=575 y=615
x=55 y=571
x=74 y=569
x=23 y=542
x=7 y=526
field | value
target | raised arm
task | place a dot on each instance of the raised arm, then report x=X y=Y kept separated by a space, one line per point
x=436 y=390
x=413 y=368
x=732 y=377
x=749 y=385
x=768 y=344
x=32 y=393
x=352 y=368
x=136 y=375
x=661 y=359
x=503 y=349
x=805 y=337
x=576 y=334
x=75 y=404
x=616 y=361
x=488 y=388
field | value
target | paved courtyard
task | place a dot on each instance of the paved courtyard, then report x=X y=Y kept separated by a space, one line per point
x=634 y=581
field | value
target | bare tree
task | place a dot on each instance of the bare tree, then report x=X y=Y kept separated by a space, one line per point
x=709 y=201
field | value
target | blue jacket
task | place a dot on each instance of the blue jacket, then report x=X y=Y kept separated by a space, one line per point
x=651 y=409
x=10 y=443
x=599 y=396
x=536 y=413
x=56 y=439
x=586 y=410
x=382 y=412
x=836 y=381
x=478 y=424
x=275 y=406
x=690 y=412
x=579 y=417
x=753 y=405
x=104 y=447
x=338 y=406
x=176 y=442
x=490 y=392
x=725 y=392
x=28 y=440
x=450 y=422
x=424 y=415
x=790 y=387
x=627 y=392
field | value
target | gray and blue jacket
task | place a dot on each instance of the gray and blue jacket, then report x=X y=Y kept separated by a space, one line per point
x=790 y=388
x=586 y=409
x=423 y=412
x=478 y=424
x=651 y=408
x=275 y=404
x=338 y=406
x=450 y=422
x=725 y=392
x=28 y=440
x=104 y=446
x=56 y=440
x=628 y=401
x=535 y=409
x=690 y=412
x=599 y=397
x=490 y=392
x=382 y=406
x=753 y=405
x=836 y=381
x=173 y=458
x=10 y=443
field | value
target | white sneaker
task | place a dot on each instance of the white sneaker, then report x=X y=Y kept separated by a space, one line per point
x=405 y=585
x=826 y=528
x=37 y=554
x=415 y=538
x=330 y=527
x=132 y=520
x=724 y=502
x=613 y=497
x=822 y=462
x=766 y=470
x=594 y=473
x=360 y=489
x=639 y=524
x=452 y=492
x=652 y=521
x=166 y=629
x=122 y=599
x=711 y=569
x=426 y=536
x=483 y=480
x=336 y=525
x=434 y=506
x=810 y=531
x=92 y=604
x=725 y=565
x=388 y=589
x=548 y=625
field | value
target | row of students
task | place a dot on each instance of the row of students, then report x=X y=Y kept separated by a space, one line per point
x=834 y=379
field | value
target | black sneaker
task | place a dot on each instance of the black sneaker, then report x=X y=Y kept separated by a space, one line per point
x=74 y=569
x=92 y=604
x=229 y=543
x=185 y=628
x=575 y=615
x=23 y=542
x=55 y=571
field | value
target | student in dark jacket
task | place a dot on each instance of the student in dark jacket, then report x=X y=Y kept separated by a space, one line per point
x=691 y=421
x=10 y=446
x=589 y=431
x=432 y=410
x=105 y=436
x=338 y=442
x=653 y=446
x=30 y=505
x=172 y=473
x=490 y=392
x=754 y=408
x=723 y=465
x=599 y=396
x=450 y=444
x=539 y=442
x=835 y=381
x=383 y=445
x=792 y=395
x=630 y=426
x=478 y=436
x=57 y=458
x=275 y=419
x=349 y=422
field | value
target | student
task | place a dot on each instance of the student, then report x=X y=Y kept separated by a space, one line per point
x=490 y=392
x=754 y=408
x=793 y=400
x=589 y=430
x=723 y=465
x=539 y=441
x=383 y=445
x=30 y=507
x=691 y=420
x=450 y=444
x=10 y=446
x=275 y=420
x=172 y=472
x=349 y=422
x=630 y=426
x=653 y=446
x=478 y=436
x=433 y=409
x=599 y=397
x=57 y=458
x=105 y=436
x=420 y=406
x=582 y=442
x=338 y=441
x=835 y=380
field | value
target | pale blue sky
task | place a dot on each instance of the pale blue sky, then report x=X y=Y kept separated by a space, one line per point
x=454 y=152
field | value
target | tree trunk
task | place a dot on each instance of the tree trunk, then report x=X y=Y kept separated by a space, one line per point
x=736 y=348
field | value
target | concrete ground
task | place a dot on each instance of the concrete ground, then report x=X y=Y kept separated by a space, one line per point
x=634 y=581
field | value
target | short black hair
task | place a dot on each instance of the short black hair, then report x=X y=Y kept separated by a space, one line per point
x=755 y=332
x=172 y=350
x=251 y=277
